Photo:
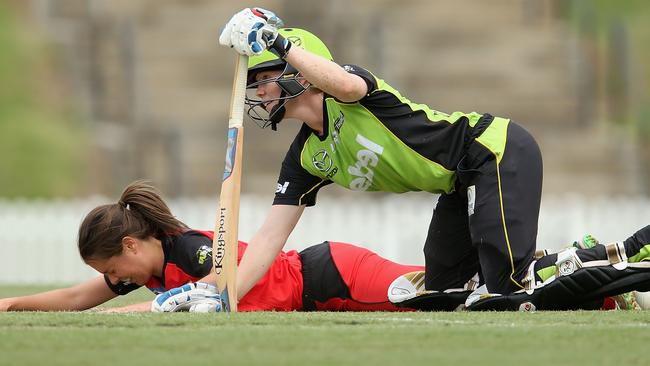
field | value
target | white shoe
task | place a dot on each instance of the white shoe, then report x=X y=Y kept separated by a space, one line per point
x=479 y=294
x=407 y=287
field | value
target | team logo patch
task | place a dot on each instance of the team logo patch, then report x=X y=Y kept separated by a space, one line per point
x=203 y=254
x=322 y=161
x=566 y=268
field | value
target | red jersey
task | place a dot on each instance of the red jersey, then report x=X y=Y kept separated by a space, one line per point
x=279 y=289
x=326 y=276
x=188 y=258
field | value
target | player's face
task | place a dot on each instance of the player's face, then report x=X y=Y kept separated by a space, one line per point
x=129 y=267
x=268 y=91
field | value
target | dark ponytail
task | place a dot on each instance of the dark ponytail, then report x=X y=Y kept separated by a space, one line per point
x=140 y=213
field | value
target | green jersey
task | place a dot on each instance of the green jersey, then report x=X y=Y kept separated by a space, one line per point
x=383 y=142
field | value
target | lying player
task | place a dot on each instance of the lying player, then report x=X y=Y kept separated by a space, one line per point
x=138 y=242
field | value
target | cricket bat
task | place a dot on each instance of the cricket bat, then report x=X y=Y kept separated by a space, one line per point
x=224 y=244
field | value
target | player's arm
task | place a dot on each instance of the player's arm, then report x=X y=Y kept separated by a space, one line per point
x=80 y=297
x=265 y=245
x=327 y=75
x=134 y=308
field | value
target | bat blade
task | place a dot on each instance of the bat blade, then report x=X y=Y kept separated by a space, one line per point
x=224 y=244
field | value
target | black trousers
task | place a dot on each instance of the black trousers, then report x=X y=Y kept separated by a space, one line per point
x=489 y=223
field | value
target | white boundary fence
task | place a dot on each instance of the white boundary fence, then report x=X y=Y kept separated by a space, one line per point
x=38 y=238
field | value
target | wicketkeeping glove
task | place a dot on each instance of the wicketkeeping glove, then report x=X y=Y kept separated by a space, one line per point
x=185 y=297
x=251 y=31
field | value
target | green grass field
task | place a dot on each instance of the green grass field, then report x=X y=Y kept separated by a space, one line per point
x=541 y=338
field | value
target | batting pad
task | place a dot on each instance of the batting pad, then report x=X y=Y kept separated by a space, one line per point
x=583 y=289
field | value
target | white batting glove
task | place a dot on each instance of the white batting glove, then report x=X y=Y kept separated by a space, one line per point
x=208 y=305
x=251 y=31
x=184 y=297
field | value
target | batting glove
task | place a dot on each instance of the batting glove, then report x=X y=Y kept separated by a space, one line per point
x=251 y=31
x=208 y=305
x=184 y=297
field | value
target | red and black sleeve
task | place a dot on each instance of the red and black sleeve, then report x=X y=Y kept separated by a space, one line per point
x=191 y=253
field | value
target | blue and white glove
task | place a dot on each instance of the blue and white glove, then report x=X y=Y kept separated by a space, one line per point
x=206 y=306
x=196 y=297
x=251 y=31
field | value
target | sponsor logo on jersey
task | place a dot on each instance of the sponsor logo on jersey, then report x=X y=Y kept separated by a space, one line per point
x=338 y=123
x=366 y=160
x=203 y=254
x=282 y=188
x=322 y=161
x=332 y=173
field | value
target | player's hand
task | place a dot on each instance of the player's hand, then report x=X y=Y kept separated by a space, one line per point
x=185 y=297
x=251 y=31
x=207 y=305
x=5 y=304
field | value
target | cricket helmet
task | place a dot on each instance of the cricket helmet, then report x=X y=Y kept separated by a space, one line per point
x=288 y=80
